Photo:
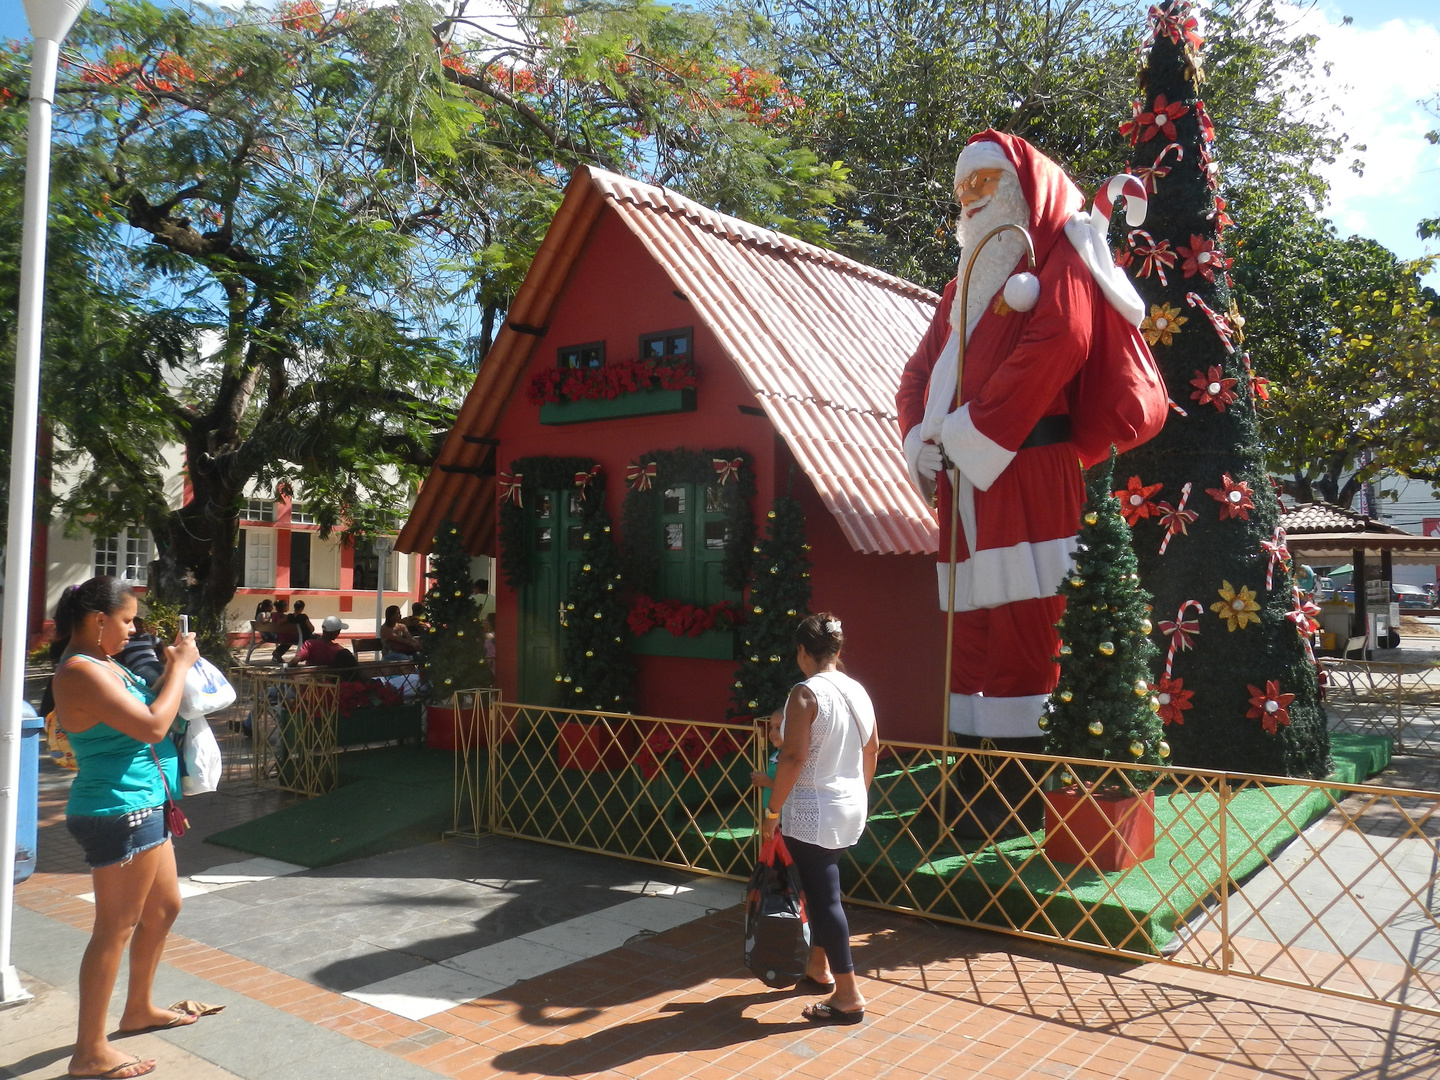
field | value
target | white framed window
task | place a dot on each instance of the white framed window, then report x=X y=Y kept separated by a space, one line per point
x=126 y=556
x=302 y=515
x=258 y=510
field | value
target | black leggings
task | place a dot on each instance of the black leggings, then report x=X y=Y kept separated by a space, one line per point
x=819 y=870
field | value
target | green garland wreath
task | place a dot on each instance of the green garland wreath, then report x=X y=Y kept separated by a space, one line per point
x=640 y=554
x=538 y=474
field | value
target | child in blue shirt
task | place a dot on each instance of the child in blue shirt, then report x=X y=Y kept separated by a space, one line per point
x=775 y=729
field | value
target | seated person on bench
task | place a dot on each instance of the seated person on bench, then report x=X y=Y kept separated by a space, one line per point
x=399 y=643
x=323 y=651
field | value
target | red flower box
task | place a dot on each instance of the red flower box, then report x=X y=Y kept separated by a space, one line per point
x=1109 y=831
x=590 y=748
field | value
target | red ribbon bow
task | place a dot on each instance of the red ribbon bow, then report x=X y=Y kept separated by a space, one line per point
x=584 y=479
x=639 y=477
x=1155 y=258
x=727 y=469
x=510 y=488
x=1149 y=174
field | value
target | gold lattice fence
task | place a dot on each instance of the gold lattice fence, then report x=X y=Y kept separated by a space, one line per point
x=1399 y=701
x=295 y=719
x=1324 y=885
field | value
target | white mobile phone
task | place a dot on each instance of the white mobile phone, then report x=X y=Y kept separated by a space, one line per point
x=184 y=625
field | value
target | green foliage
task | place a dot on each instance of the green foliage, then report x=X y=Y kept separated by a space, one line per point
x=640 y=558
x=779 y=599
x=454 y=656
x=599 y=671
x=1215 y=449
x=1106 y=657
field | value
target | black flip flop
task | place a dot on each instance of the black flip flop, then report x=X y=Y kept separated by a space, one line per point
x=807 y=985
x=824 y=1013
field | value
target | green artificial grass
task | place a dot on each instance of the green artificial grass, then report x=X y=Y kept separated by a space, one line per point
x=389 y=799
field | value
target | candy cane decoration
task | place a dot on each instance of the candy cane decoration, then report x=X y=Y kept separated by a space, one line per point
x=1176 y=519
x=1150 y=174
x=1181 y=632
x=1279 y=552
x=1182 y=412
x=1219 y=322
x=1136 y=202
x=1303 y=616
x=1156 y=257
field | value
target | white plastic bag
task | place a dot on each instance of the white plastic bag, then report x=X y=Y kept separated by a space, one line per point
x=206 y=691
x=201 y=757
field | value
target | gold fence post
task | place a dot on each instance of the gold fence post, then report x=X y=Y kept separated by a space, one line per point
x=1225 y=949
x=493 y=722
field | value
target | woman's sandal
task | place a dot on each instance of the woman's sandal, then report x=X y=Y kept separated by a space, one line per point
x=180 y=1019
x=120 y=1072
x=822 y=1012
x=807 y=985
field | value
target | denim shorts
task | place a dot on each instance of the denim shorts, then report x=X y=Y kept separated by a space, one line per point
x=108 y=839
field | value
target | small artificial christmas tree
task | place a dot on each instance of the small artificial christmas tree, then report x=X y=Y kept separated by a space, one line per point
x=454 y=646
x=1244 y=697
x=1104 y=706
x=779 y=599
x=599 y=671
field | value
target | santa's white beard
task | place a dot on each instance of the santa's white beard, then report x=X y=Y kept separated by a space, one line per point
x=997 y=261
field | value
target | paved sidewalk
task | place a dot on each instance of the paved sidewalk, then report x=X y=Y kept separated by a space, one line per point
x=512 y=959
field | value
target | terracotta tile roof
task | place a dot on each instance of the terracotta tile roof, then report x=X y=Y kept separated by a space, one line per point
x=1324 y=517
x=820 y=339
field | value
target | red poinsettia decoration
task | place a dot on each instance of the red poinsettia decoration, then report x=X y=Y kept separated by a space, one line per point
x=1135 y=500
x=1212 y=388
x=1269 y=706
x=1174 y=699
x=1222 y=220
x=681 y=619
x=1159 y=118
x=1123 y=257
x=1234 y=499
x=1202 y=258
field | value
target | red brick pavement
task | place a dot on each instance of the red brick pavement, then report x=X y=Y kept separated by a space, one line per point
x=943 y=1001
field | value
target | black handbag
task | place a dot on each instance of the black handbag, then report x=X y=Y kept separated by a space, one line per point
x=777 y=933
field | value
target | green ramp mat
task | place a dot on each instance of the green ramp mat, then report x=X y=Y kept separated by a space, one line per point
x=389 y=799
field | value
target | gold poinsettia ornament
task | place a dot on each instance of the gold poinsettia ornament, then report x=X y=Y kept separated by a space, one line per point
x=1162 y=324
x=1237 y=607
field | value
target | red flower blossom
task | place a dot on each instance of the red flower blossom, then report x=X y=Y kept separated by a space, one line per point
x=1234 y=499
x=1202 y=258
x=1174 y=700
x=1269 y=706
x=1213 y=388
x=1160 y=117
x=1135 y=500
x=679 y=618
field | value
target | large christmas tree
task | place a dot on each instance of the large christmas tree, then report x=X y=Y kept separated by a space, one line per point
x=1104 y=706
x=1242 y=692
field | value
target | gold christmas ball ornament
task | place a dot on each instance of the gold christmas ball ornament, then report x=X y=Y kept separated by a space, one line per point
x=1067 y=778
x=617 y=641
x=567 y=678
x=1091 y=518
x=754 y=704
x=1076 y=582
x=569 y=607
x=758 y=610
x=584 y=536
x=1154 y=705
x=738 y=684
x=459 y=633
x=1146 y=626
x=1096 y=728
x=1065 y=650
x=1137 y=749
x=558 y=679
x=774 y=569
x=804 y=547
x=585 y=567
x=774 y=659
x=598 y=615
x=1106 y=648
x=609 y=587
x=1164 y=749
x=607 y=529
x=1066 y=695
x=1141 y=688
x=1044 y=723
x=447 y=682
x=459 y=593
x=770 y=514
x=754 y=659
x=454 y=531
x=589 y=652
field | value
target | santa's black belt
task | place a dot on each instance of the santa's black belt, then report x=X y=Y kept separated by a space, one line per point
x=1049 y=431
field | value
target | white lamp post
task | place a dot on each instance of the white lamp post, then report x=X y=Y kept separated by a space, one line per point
x=383 y=546
x=50 y=21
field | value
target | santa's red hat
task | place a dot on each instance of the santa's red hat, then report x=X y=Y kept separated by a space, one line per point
x=1049 y=193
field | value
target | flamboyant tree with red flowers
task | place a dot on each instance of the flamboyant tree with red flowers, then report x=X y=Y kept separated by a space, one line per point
x=1237 y=685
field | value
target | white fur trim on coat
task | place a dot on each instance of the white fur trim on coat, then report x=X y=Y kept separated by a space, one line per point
x=997 y=717
x=978 y=456
x=1089 y=241
x=995 y=576
x=925 y=485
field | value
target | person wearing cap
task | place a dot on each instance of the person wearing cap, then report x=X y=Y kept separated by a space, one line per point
x=322 y=651
x=1012 y=439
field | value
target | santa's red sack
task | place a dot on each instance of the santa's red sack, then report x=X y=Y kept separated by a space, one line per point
x=777 y=934
x=1119 y=396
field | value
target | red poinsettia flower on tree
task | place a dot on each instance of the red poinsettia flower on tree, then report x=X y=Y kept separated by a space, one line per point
x=1161 y=117
x=1135 y=500
x=1174 y=699
x=1234 y=499
x=1212 y=388
x=1202 y=258
x=1269 y=706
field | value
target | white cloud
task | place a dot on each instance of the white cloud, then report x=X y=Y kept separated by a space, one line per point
x=1378 y=77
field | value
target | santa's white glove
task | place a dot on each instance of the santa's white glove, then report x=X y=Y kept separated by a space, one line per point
x=922 y=461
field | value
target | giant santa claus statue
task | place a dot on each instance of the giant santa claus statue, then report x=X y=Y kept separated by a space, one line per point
x=1054 y=371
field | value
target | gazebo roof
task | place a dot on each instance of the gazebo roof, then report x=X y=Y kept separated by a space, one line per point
x=1320 y=530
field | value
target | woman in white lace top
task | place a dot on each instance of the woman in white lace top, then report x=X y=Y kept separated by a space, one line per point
x=819 y=803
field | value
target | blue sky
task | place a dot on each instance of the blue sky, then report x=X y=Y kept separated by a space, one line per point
x=1382 y=65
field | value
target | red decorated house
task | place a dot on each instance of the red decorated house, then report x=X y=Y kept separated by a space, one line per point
x=650 y=334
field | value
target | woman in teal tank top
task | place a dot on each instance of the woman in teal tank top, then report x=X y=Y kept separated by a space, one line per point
x=117 y=728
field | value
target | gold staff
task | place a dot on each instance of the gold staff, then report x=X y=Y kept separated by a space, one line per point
x=954 y=473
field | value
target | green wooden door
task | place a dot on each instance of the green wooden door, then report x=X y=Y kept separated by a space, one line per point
x=552 y=534
x=692 y=544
